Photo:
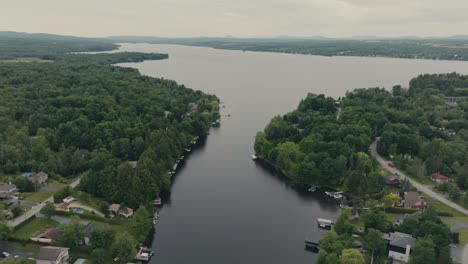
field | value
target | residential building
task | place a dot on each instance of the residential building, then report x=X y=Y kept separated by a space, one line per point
x=46 y=236
x=40 y=177
x=68 y=199
x=414 y=200
x=52 y=255
x=392 y=180
x=126 y=212
x=399 y=246
x=7 y=190
x=114 y=209
x=439 y=178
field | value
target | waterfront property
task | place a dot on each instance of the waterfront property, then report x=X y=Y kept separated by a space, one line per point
x=399 y=246
x=324 y=223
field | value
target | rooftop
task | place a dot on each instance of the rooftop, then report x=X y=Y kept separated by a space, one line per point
x=399 y=239
x=50 y=253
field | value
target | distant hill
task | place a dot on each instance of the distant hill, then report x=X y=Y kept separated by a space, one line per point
x=19 y=44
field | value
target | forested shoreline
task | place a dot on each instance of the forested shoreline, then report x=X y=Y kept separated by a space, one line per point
x=418 y=127
x=424 y=48
x=75 y=114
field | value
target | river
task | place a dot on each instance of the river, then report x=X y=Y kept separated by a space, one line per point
x=225 y=208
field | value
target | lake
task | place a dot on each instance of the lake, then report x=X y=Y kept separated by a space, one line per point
x=224 y=207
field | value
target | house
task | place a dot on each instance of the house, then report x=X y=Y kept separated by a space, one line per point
x=40 y=177
x=7 y=190
x=114 y=209
x=399 y=246
x=413 y=200
x=52 y=255
x=133 y=164
x=87 y=231
x=439 y=178
x=392 y=180
x=68 y=199
x=46 y=236
x=62 y=207
x=126 y=212
x=193 y=107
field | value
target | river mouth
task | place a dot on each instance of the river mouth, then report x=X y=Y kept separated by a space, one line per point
x=225 y=208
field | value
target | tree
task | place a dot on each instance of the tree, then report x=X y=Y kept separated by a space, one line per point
x=423 y=252
x=48 y=210
x=100 y=256
x=5 y=231
x=351 y=256
x=17 y=211
x=141 y=223
x=101 y=238
x=445 y=256
x=71 y=234
x=374 y=243
x=342 y=225
x=375 y=218
x=123 y=248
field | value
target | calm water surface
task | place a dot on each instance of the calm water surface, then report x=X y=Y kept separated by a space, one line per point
x=223 y=207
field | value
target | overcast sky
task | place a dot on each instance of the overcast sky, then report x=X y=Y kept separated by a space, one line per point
x=246 y=18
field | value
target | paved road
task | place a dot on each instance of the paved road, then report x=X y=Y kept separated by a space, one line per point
x=420 y=187
x=34 y=210
x=37 y=208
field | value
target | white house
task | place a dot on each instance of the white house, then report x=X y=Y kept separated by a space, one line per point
x=399 y=246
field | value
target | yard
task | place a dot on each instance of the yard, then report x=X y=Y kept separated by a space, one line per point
x=37 y=197
x=442 y=208
x=463 y=236
x=35 y=225
x=55 y=184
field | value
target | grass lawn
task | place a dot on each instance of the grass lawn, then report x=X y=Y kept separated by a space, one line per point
x=441 y=207
x=38 y=197
x=391 y=217
x=461 y=218
x=37 y=224
x=448 y=223
x=56 y=184
x=463 y=235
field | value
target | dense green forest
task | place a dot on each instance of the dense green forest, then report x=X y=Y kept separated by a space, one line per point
x=417 y=127
x=15 y=44
x=74 y=114
x=441 y=49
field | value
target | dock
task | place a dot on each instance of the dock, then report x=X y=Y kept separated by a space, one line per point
x=144 y=254
x=312 y=245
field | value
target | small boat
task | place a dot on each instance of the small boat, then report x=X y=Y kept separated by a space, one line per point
x=181 y=158
x=157 y=201
x=155 y=221
x=312 y=189
x=188 y=149
x=324 y=223
x=254 y=157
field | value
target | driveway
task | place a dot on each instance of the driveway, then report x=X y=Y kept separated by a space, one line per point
x=85 y=207
x=420 y=187
x=15 y=251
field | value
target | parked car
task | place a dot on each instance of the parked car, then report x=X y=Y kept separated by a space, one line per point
x=391 y=164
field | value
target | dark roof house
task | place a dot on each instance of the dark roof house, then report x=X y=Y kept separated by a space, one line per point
x=52 y=255
x=392 y=180
x=399 y=246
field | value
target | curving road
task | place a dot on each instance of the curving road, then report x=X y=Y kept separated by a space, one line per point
x=420 y=187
